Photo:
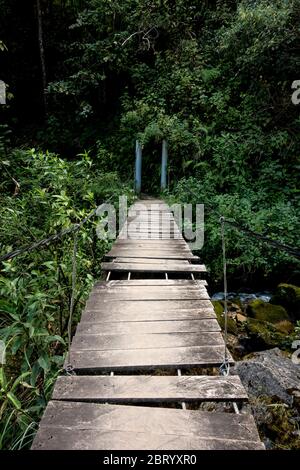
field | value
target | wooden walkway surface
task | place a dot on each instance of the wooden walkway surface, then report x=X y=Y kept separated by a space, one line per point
x=142 y=340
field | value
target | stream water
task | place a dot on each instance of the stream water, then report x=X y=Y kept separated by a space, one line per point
x=245 y=297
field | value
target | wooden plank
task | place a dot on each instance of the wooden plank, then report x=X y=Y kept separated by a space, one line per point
x=195 y=356
x=139 y=294
x=145 y=388
x=132 y=249
x=169 y=262
x=149 y=310
x=147 y=204
x=152 y=232
x=159 y=285
x=127 y=313
x=151 y=254
x=140 y=327
x=135 y=267
x=151 y=243
x=150 y=222
x=184 y=290
x=151 y=236
x=139 y=226
x=153 y=282
x=139 y=307
x=71 y=425
x=85 y=439
x=137 y=245
x=94 y=342
x=155 y=290
x=155 y=216
x=145 y=246
x=150 y=218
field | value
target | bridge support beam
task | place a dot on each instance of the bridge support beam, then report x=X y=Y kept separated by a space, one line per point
x=138 y=167
x=164 y=165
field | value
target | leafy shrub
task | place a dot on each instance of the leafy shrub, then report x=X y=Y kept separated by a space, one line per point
x=35 y=288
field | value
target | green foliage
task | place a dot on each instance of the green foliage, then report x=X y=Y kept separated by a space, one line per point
x=267 y=335
x=288 y=295
x=253 y=208
x=265 y=311
x=35 y=288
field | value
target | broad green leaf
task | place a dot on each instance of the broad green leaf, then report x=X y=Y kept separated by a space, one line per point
x=14 y=400
x=3 y=380
x=44 y=362
x=19 y=380
x=52 y=338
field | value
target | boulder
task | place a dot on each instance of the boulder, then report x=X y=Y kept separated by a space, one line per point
x=264 y=334
x=288 y=296
x=241 y=318
x=285 y=326
x=265 y=311
x=270 y=373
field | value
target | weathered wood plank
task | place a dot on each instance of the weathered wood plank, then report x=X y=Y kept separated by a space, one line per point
x=157 y=254
x=144 y=245
x=70 y=439
x=139 y=228
x=138 y=294
x=69 y=425
x=129 y=313
x=133 y=252
x=138 y=307
x=162 y=286
x=133 y=247
x=151 y=243
x=149 y=232
x=150 y=218
x=153 y=282
x=142 y=308
x=151 y=236
x=169 y=262
x=140 y=327
x=147 y=288
x=164 y=267
x=92 y=361
x=94 y=342
x=137 y=222
x=144 y=388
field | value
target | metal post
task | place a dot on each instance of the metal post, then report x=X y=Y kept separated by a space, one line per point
x=164 y=165
x=138 y=167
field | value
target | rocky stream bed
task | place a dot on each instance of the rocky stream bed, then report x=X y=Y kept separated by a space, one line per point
x=263 y=330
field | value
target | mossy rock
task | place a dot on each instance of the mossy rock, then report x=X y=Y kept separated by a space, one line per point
x=288 y=296
x=267 y=312
x=267 y=334
x=231 y=324
x=237 y=301
x=218 y=306
x=285 y=327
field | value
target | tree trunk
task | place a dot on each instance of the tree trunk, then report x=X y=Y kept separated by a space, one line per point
x=42 y=53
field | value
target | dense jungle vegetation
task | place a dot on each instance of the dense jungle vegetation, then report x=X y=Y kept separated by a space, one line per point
x=84 y=80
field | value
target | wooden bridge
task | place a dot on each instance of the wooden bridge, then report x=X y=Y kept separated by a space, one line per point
x=146 y=353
